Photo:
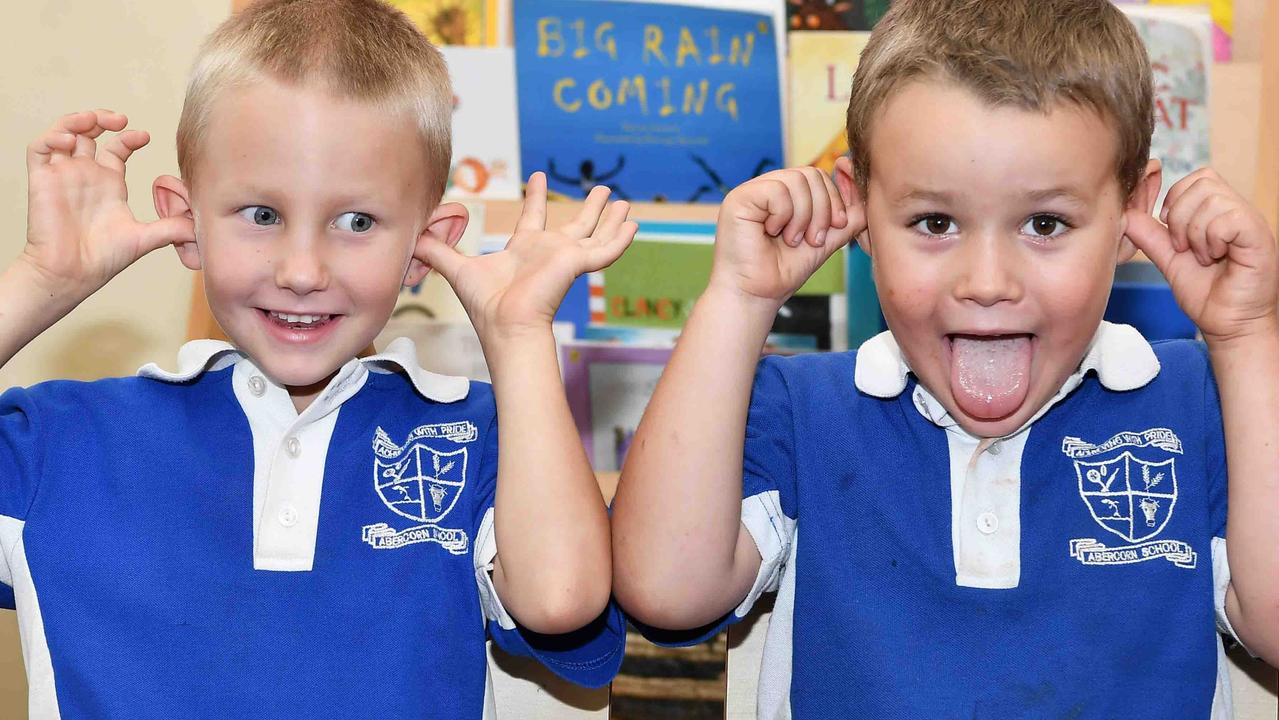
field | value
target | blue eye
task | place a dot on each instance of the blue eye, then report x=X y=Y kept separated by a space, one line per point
x=934 y=225
x=260 y=215
x=1044 y=226
x=354 y=222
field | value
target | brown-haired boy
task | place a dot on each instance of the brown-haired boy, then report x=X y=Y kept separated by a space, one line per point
x=279 y=528
x=1002 y=507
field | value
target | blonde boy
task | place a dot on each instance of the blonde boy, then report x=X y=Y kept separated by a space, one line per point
x=1003 y=507
x=279 y=528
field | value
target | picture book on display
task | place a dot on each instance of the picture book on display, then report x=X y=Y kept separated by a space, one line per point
x=806 y=15
x=1179 y=41
x=457 y=22
x=659 y=102
x=486 y=143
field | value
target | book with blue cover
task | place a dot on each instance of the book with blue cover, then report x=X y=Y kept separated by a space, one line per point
x=659 y=102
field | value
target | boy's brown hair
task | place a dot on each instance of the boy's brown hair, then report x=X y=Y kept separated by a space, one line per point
x=1029 y=54
x=362 y=50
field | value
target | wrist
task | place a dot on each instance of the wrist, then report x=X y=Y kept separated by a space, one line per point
x=1261 y=331
x=726 y=296
x=54 y=293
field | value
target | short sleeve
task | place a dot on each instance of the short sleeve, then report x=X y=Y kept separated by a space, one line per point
x=1218 y=484
x=21 y=451
x=589 y=656
x=768 y=496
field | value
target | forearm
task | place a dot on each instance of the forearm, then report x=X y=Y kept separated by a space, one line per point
x=681 y=556
x=553 y=568
x=29 y=305
x=1247 y=372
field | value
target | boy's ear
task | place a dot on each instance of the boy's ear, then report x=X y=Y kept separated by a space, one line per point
x=851 y=196
x=1142 y=199
x=173 y=199
x=445 y=225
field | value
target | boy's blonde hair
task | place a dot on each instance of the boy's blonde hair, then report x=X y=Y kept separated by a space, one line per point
x=360 y=50
x=1028 y=54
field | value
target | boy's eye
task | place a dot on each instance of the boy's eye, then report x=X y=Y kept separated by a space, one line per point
x=355 y=222
x=934 y=225
x=260 y=215
x=1044 y=226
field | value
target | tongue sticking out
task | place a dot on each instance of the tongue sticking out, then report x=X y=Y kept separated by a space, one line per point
x=988 y=376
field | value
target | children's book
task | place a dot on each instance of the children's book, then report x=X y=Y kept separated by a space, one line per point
x=1179 y=41
x=608 y=387
x=820 y=74
x=457 y=22
x=808 y=15
x=657 y=101
x=1223 y=21
x=486 y=144
x=656 y=282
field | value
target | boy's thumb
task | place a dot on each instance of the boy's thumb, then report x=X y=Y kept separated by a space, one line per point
x=442 y=257
x=1150 y=236
x=175 y=230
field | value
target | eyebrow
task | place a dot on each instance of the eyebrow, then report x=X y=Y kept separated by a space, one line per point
x=1067 y=194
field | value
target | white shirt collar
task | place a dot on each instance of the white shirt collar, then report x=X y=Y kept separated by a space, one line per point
x=200 y=356
x=1122 y=359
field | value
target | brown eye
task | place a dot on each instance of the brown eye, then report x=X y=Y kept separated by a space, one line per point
x=934 y=224
x=1044 y=226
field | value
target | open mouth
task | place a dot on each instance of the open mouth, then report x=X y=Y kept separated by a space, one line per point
x=297 y=321
x=990 y=374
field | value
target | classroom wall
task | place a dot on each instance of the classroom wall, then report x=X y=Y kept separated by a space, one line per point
x=133 y=56
x=66 y=55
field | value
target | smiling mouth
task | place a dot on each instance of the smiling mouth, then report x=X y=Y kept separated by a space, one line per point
x=298 y=321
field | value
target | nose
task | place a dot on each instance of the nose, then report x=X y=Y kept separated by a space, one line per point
x=989 y=271
x=300 y=264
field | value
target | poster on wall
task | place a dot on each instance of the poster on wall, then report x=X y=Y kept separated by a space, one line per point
x=820 y=75
x=457 y=22
x=659 y=102
x=1180 y=45
x=486 y=142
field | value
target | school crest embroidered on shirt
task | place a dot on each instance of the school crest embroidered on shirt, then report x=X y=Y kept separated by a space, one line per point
x=422 y=483
x=1129 y=485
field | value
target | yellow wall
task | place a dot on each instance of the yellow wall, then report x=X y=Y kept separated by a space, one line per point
x=66 y=55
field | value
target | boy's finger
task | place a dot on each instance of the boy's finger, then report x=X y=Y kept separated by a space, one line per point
x=1185 y=208
x=85 y=147
x=533 y=216
x=819 y=222
x=583 y=226
x=1178 y=189
x=1151 y=237
x=116 y=152
x=41 y=151
x=107 y=120
x=612 y=221
x=775 y=200
x=802 y=208
x=838 y=215
x=601 y=256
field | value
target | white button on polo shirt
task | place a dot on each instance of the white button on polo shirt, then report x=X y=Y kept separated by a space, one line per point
x=987 y=523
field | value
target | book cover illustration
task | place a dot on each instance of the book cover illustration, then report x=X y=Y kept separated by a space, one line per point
x=1223 y=22
x=820 y=74
x=455 y=22
x=659 y=102
x=805 y=15
x=1180 y=46
x=486 y=144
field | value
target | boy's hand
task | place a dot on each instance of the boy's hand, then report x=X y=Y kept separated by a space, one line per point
x=80 y=231
x=521 y=287
x=774 y=232
x=1217 y=254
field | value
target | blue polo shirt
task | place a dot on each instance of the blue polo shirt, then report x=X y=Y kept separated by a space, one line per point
x=185 y=544
x=1075 y=568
